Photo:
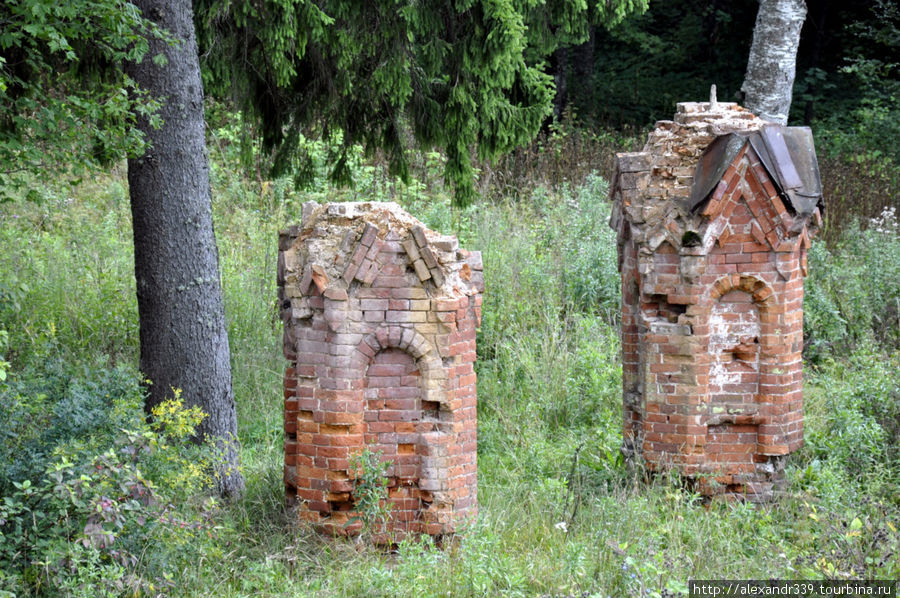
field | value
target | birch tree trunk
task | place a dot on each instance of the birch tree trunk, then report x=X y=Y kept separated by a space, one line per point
x=769 y=80
x=184 y=343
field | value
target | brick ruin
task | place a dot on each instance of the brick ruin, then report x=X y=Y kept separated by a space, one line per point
x=379 y=329
x=714 y=218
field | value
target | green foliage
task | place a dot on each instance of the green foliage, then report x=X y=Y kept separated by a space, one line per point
x=67 y=273
x=871 y=62
x=49 y=405
x=464 y=76
x=858 y=135
x=853 y=442
x=66 y=105
x=88 y=484
x=370 y=490
x=4 y=365
x=853 y=105
x=864 y=543
x=548 y=368
x=590 y=272
x=853 y=291
x=12 y=291
x=638 y=70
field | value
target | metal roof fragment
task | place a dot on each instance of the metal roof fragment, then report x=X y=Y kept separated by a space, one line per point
x=787 y=153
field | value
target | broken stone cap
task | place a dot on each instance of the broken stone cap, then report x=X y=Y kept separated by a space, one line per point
x=370 y=211
x=388 y=216
x=343 y=239
x=787 y=153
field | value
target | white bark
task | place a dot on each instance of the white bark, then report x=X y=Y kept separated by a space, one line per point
x=772 y=65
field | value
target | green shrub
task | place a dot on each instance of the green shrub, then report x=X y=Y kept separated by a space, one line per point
x=853 y=428
x=853 y=290
x=56 y=402
x=370 y=494
x=90 y=488
x=4 y=365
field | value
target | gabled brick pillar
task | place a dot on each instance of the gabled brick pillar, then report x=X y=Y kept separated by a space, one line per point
x=714 y=219
x=379 y=329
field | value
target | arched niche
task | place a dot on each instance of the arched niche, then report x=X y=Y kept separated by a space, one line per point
x=737 y=324
x=734 y=333
x=402 y=392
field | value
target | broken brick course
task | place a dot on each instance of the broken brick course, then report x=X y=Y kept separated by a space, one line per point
x=380 y=318
x=712 y=296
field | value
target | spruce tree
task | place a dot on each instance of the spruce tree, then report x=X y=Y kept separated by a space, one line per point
x=463 y=76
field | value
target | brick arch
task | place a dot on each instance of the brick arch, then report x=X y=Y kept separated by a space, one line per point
x=409 y=341
x=398 y=337
x=408 y=432
x=758 y=289
x=763 y=298
x=739 y=321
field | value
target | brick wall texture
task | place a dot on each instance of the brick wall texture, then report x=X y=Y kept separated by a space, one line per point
x=379 y=330
x=712 y=309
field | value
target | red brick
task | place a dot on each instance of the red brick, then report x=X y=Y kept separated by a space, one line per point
x=677 y=374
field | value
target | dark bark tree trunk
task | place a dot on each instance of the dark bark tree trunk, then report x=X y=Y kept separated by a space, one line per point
x=560 y=63
x=769 y=81
x=583 y=69
x=184 y=343
x=819 y=26
x=583 y=61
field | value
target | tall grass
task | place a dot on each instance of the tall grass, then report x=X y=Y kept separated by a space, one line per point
x=67 y=265
x=852 y=293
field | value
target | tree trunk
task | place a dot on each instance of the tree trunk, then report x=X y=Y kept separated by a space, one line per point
x=819 y=26
x=583 y=69
x=773 y=58
x=560 y=63
x=184 y=343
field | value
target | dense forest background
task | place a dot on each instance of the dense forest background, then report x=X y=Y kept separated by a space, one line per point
x=95 y=500
x=632 y=74
x=847 y=84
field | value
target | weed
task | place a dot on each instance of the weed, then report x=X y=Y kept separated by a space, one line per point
x=370 y=494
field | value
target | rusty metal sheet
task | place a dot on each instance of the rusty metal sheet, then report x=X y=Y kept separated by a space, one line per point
x=783 y=164
x=712 y=166
x=787 y=153
x=808 y=196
